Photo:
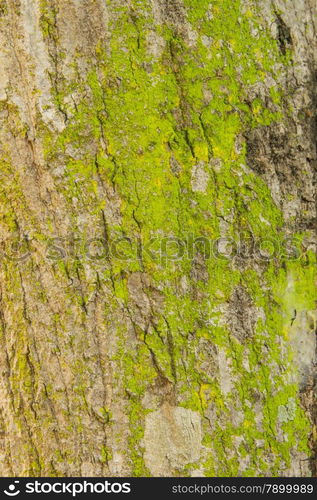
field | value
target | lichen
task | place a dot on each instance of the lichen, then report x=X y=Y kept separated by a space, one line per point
x=133 y=117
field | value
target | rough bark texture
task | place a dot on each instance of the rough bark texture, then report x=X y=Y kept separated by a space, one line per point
x=134 y=134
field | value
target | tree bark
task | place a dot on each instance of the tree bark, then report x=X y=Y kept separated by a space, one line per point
x=157 y=275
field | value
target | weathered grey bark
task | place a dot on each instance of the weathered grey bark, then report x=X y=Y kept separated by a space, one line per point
x=124 y=123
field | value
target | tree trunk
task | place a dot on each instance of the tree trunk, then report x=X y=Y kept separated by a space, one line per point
x=157 y=212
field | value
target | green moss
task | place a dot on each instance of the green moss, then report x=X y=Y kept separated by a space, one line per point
x=106 y=454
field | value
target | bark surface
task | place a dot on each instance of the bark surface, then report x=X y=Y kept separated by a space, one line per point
x=157 y=232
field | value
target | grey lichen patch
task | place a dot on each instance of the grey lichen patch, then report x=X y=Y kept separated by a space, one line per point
x=172 y=439
x=225 y=377
x=200 y=178
x=155 y=44
x=287 y=412
x=301 y=324
x=303 y=340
